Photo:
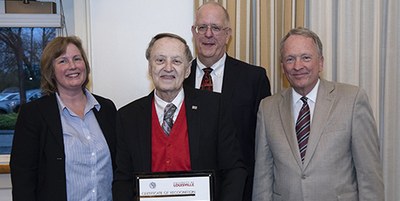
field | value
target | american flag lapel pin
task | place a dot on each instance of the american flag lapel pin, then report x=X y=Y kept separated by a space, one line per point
x=194 y=107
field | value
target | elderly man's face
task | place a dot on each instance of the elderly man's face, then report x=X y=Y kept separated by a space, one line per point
x=168 y=66
x=211 y=43
x=301 y=63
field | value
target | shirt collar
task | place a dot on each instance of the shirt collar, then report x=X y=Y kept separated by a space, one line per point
x=160 y=103
x=218 y=67
x=91 y=102
x=311 y=96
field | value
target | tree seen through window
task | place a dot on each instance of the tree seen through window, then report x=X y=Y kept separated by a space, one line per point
x=20 y=52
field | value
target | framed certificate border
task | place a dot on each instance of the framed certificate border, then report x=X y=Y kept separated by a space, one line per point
x=184 y=186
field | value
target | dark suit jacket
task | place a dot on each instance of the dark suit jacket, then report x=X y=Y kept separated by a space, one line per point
x=243 y=87
x=37 y=158
x=212 y=145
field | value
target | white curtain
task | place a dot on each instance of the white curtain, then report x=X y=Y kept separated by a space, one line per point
x=362 y=47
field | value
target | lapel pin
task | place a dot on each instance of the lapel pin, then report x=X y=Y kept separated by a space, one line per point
x=194 y=107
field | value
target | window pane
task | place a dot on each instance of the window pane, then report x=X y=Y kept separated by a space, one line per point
x=20 y=52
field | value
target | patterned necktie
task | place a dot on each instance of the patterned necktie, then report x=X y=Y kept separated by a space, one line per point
x=303 y=127
x=206 y=82
x=169 y=111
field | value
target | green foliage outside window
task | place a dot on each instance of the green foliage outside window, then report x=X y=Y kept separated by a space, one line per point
x=7 y=121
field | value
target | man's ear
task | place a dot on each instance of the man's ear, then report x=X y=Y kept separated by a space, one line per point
x=149 y=69
x=193 y=30
x=188 y=69
x=228 y=36
x=321 y=64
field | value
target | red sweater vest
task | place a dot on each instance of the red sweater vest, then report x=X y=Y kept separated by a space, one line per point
x=170 y=153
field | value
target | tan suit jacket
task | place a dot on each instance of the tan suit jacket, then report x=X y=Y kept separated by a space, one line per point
x=342 y=160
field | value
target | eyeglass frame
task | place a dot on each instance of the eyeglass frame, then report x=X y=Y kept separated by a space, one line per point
x=210 y=27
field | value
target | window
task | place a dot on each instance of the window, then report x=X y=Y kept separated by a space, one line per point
x=20 y=52
x=22 y=40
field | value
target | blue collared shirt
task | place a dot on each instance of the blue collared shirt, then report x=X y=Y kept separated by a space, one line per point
x=88 y=164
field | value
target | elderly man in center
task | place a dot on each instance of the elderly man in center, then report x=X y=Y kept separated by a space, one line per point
x=199 y=137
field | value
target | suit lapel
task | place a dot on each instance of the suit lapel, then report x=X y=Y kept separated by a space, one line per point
x=231 y=73
x=321 y=114
x=104 y=125
x=285 y=111
x=146 y=107
x=51 y=114
x=193 y=123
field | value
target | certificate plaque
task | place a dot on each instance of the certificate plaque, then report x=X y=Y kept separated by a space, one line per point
x=182 y=186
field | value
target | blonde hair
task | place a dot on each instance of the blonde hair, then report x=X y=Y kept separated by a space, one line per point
x=306 y=33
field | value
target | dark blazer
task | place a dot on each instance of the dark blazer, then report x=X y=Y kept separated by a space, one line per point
x=243 y=87
x=37 y=158
x=211 y=144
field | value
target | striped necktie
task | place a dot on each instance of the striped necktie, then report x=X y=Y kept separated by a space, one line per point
x=303 y=127
x=169 y=111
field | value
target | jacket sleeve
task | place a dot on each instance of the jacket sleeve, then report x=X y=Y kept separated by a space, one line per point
x=24 y=162
x=122 y=188
x=230 y=156
x=365 y=151
x=263 y=171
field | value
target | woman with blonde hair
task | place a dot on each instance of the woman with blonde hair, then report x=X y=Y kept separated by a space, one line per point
x=64 y=143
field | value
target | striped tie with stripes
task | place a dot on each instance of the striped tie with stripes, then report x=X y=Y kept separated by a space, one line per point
x=303 y=128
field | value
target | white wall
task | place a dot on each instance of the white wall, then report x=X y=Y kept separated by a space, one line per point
x=5 y=187
x=116 y=34
x=119 y=34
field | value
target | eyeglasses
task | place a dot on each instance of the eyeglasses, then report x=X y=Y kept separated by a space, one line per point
x=202 y=29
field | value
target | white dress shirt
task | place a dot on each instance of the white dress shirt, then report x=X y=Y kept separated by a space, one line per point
x=297 y=103
x=217 y=74
x=161 y=104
